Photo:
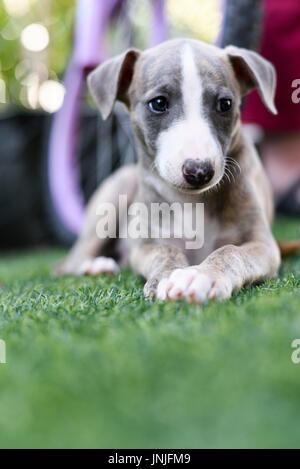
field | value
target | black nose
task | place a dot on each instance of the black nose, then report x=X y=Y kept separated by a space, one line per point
x=197 y=173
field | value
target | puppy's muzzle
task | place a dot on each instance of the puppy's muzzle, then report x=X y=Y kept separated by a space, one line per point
x=197 y=173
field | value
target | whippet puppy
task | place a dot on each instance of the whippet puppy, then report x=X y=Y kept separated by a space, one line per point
x=184 y=99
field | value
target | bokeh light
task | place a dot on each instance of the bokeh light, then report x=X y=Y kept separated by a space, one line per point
x=32 y=92
x=17 y=7
x=2 y=91
x=51 y=95
x=11 y=30
x=200 y=19
x=35 y=37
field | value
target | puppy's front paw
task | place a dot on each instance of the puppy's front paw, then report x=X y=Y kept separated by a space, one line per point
x=194 y=286
x=98 y=266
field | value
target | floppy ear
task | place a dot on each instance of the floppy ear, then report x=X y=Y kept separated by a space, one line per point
x=111 y=80
x=253 y=71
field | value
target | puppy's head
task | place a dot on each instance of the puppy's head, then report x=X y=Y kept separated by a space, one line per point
x=184 y=98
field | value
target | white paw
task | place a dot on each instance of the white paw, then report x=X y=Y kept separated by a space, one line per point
x=98 y=266
x=193 y=286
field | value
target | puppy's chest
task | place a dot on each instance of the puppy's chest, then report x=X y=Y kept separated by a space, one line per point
x=210 y=235
x=200 y=234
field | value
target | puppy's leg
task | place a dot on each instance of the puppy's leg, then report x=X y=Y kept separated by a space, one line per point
x=155 y=262
x=83 y=258
x=226 y=270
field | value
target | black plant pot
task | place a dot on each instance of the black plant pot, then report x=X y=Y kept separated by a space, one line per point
x=21 y=206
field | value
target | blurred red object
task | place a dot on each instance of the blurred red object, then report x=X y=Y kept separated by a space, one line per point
x=281 y=45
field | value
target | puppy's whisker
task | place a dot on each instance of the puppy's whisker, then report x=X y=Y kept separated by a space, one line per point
x=231 y=175
x=233 y=163
x=232 y=167
x=228 y=178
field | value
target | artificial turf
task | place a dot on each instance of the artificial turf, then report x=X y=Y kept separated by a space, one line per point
x=91 y=364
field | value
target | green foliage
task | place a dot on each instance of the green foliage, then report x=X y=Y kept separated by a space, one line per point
x=61 y=33
x=58 y=16
x=91 y=364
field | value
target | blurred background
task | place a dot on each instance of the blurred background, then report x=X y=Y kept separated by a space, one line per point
x=55 y=149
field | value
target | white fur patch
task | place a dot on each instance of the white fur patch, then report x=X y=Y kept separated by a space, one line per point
x=193 y=286
x=191 y=85
x=190 y=136
x=98 y=266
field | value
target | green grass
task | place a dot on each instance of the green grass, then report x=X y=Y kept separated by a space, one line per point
x=91 y=364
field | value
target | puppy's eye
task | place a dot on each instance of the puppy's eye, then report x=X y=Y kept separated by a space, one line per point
x=158 y=105
x=224 y=105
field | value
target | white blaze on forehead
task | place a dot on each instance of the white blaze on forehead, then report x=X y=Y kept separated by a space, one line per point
x=189 y=136
x=191 y=84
